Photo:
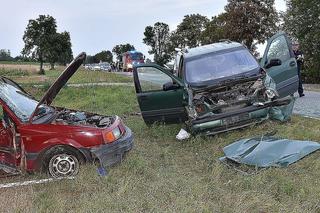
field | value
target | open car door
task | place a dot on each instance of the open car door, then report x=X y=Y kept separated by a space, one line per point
x=160 y=94
x=281 y=65
x=8 y=143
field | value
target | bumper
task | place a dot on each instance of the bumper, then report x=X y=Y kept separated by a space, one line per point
x=235 y=119
x=110 y=154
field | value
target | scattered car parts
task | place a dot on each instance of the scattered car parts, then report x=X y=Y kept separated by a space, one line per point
x=268 y=151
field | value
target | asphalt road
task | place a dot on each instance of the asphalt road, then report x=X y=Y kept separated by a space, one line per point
x=309 y=105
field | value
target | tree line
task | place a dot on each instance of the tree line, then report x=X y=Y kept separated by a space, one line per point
x=107 y=55
x=245 y=21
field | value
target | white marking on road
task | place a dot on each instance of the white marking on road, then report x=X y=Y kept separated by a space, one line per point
x=32 y=182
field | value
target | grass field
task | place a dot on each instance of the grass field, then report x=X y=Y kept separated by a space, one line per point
x=163 y=174
x=28 y=75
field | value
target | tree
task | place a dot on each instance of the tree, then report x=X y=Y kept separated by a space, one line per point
x=105 y=56
x=66 y=55
x=250 y=20
x=301 y=21
x=37 y=38
x=158 y=38
x=189 y=31
x=59 y=49
x=122 y=48
x=214 y=30
x=89 y=59
x=5 y=55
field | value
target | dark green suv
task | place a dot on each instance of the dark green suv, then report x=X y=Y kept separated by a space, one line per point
x=218 y=87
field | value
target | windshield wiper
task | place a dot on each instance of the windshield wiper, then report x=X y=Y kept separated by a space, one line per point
x=25 y=94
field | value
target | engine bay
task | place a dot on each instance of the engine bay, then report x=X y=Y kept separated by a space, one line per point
x=229 y=97
x=79 y=118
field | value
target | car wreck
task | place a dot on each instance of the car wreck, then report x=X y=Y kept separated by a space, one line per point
x=36 y=136
x=220 y=87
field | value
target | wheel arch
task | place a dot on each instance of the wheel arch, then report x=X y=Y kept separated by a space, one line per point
x=82 y=156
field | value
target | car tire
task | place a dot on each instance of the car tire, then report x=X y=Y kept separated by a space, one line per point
x=61 y=162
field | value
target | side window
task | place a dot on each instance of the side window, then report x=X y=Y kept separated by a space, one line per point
x=152 y=79
x=279 y=49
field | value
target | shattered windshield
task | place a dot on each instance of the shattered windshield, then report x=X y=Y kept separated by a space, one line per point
x=19 y=102
x=214 y=66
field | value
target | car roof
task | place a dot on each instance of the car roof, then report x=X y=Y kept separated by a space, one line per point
x=210 y=48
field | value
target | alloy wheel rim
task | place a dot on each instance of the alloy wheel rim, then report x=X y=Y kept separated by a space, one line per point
x=63 y=165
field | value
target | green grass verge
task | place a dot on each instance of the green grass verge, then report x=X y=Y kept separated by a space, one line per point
x=27 y=74
x=163 y=174
x=81 y=76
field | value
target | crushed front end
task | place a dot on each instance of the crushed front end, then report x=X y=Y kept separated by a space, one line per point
x=234 y=104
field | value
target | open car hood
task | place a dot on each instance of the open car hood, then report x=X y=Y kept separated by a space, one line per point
x=60 y=82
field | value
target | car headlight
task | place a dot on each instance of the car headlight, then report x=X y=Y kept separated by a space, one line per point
x=130 y=66
x=271 y=93
x=113 y=135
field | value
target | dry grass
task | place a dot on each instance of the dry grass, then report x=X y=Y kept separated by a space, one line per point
x=312 y=87
x=14 y=69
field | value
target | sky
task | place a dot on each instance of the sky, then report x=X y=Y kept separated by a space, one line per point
x=97 y=25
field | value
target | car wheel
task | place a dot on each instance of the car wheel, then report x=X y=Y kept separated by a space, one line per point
x=62 y=163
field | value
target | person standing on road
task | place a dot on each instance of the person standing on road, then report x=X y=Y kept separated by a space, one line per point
x=300 y=59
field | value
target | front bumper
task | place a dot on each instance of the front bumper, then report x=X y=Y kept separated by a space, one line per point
x=212 y=125
x=109 y=154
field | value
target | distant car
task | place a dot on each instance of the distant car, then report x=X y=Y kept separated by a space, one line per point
x=37 y=136
x=105 y=66
x=96 y=67
x=218 y=87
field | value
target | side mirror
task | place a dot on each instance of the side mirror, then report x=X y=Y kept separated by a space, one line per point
x=272 y=63
x=170 y=86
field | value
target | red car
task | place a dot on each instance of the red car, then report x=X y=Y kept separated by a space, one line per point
x=36 y=136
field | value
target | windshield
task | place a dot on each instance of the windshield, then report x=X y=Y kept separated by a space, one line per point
x=214 y=66
x=136 y=56
x=19 y=102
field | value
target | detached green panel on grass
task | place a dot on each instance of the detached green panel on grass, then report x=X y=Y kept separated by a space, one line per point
x=268 y=151
x=282 y=113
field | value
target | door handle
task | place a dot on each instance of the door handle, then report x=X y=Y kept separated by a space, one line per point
x=292 y=64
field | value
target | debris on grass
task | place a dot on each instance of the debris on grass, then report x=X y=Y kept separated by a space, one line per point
x=268 y=151
x=183 y=135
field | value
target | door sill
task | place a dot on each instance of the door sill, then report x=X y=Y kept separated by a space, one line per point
x=9 y=169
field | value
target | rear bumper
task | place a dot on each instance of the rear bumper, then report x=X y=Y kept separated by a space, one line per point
x=113 y=153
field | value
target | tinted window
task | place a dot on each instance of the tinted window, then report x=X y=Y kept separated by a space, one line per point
x=214 y=66
x=152 y=79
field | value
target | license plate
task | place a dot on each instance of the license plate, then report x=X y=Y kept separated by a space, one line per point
x=236 y=119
